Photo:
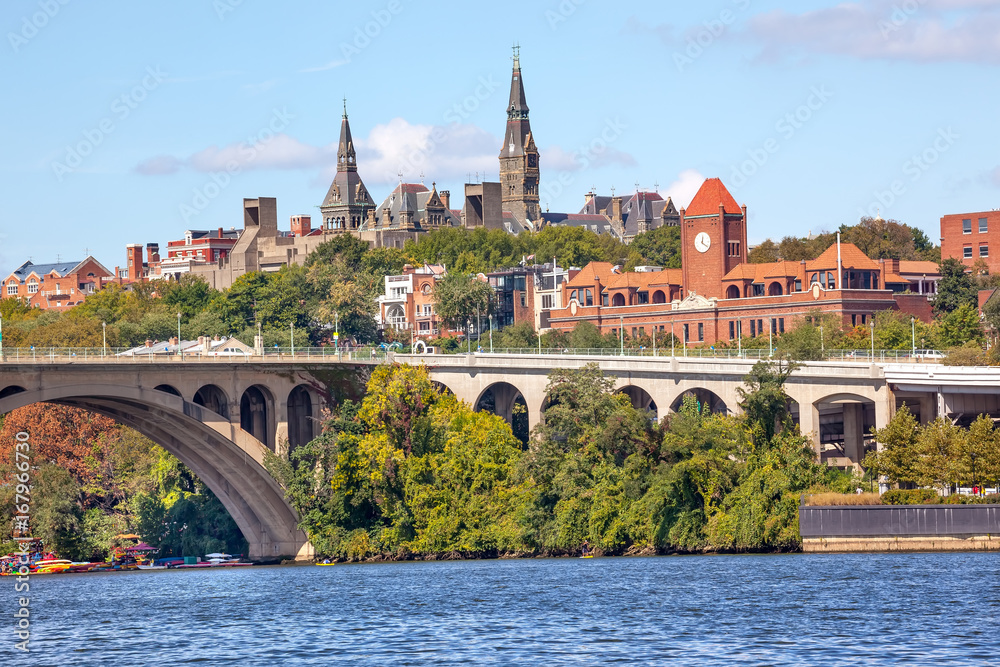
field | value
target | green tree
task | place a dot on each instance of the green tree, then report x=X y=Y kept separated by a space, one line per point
x=457 y=297
x=956 y=288
x=959 y=327
x=898 y=458
x=189 y=296
x=56 y=513
x=657 y=247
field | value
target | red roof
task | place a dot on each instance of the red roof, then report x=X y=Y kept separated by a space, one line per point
x=711 y=194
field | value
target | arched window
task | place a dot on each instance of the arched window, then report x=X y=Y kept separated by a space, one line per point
x=774 y=289
x=659 y=297
x=590 y=298
x=618 y=299
x=732 y=292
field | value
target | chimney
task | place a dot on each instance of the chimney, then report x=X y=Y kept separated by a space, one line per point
x=149 y=343
x=172 y=340
x=616 y=209
x=153 y=252
x=445 y=196
x=220 y=232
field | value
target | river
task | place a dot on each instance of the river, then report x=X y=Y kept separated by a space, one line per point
x=864 y=609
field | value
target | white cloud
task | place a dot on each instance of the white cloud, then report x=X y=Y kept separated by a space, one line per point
x=323 y=68
x=683 y=190
x=937 y=30
x=159 y=166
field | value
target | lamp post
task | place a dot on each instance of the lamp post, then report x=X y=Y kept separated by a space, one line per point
x=621 y=333
x=739 y=338
x=1 y=338
x=973 y=456
x=654 y=340
x=822 y=341
x=491 y=333
x=913 y=335
x=179 y=350
x=292 y=327
x=260 y=338
x=468 y=333
x=770 y=339
x=104 y=333
x=539 y=341
x=871 y=325
x=336 y=332
x=672 y=339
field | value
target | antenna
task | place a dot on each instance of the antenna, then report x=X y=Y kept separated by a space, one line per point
x=421 y=177
x=612 y=191
x=656 y=186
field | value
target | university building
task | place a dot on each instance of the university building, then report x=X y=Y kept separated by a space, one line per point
x=719 y=297
x=58 y=286
x=968 y=237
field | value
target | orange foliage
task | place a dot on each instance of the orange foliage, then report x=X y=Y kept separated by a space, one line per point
x=69 y=437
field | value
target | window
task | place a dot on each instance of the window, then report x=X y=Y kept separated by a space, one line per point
x=854 y=320
x=686 y=337
x=572 y=295
x=633 y=332
x=604 y=299
x=753 y=328
x=760 y=326
x=590 y=298
x=546 y=301
x=732 y=330
x=781 y=325
x=984 y=250
x=774 y=326
x=798 y=285
x=642 y=331
x=734 y=248
x=758 y=289
x=967 y=252
x=967 y=226
x=643 y=298
x=523 y=302
x=32 y=287
x=11 y=289
x=701 y=331
x=983 y=226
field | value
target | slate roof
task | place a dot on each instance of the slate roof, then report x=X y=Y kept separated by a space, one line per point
x=61 y=268
x=648 y=206
x=412 y=197
x=594 y=223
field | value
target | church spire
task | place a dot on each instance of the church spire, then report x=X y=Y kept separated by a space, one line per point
x=347 y=159
x=517 y=109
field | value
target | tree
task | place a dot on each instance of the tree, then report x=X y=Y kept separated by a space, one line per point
x=960 y=326
x=955 y=288
x=56 y=513
x=881 y=239
x=898 y=458
x=190 y=295
x=457 y=297
x=763 y=399
x=518 y=336
x=764 y=253
x=657 y=247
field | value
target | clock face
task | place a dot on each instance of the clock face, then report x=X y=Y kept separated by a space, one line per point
x=702 y=242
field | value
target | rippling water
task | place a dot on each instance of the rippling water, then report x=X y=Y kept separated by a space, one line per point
x=710 y=610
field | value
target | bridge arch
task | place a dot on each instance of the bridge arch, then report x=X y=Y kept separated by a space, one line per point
x=841 y=424
x=505 y=400
x=640 y=398
x=212 y=397
x=706 y=399
x=169 y=389
x=302 y=416
x=257 y=414
x=228 y=460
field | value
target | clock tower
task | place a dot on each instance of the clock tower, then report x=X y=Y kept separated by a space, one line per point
x=713 y=239
x=519 y=170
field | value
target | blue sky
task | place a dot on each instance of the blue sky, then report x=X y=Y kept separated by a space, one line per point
x=120 y=119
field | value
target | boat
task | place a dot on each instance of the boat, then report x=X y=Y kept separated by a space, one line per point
x=152 y=567
x=52 y=566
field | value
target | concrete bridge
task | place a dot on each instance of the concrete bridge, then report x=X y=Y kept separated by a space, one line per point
x=219 y=416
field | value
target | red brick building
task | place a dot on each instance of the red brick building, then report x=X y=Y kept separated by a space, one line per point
x=57 y=286
x=719 y=297
x=970 y=236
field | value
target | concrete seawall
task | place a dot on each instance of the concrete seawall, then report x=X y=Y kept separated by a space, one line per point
x=900 y=528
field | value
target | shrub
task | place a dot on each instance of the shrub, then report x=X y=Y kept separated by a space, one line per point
x=911 y=497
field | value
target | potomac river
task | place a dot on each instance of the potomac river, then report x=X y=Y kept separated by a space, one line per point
x=858 y=609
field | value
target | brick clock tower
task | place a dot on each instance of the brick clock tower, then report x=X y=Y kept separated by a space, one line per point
x=519 y=170
x=713 y=239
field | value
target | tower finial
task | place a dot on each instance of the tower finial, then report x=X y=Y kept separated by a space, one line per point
x=345 y=107
x=517 y=55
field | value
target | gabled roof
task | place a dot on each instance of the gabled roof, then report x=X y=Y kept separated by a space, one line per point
x=413 y=198
x=744 y=271
x=673 y=277
x=850 y=255
x=593 y=272
x=711 y=194
x=760 y=273
x=595 y=223
x=60 y=268
x=644 y=280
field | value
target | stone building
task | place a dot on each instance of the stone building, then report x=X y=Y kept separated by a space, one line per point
x=409 y=210
x=519 y=160
x=347 y=202
x=635 y=214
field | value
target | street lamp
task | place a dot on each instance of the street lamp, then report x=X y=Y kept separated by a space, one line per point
x=104 y=332
x=973 y=455
x=179 y=350
x=292 y=326
x=621 y=333
x=491 y=333
x=913 y=334
x=1 y=337
x=468 y=333
x=871 y=325
x=672 y=339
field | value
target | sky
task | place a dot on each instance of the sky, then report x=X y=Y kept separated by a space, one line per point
x=132 y=122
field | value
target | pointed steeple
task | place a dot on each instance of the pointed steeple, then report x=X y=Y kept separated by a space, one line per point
x=347 y=159
x=517 y=108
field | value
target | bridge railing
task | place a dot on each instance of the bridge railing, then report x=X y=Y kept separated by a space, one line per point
x=861 y=356
x=120 y=355
x=331 y=354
